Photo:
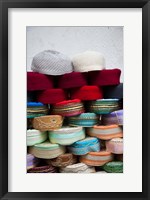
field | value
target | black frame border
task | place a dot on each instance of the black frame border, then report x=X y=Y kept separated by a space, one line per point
x=4 y=6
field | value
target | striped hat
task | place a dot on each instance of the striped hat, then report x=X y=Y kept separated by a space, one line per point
x=105 y=77
x=46 y=150
x=96 y=158
x=115 y=117
x=47 y=123
x=72 y=80
x=105 y=132
x=114 y=167
x=31 y=161
x=88 y=61
x=35 y=137
x=77 y=168
x=66 y=135
x=87 y=93
x=85 y=120
x=51 y=96
x=43 y=169
x=63 y=160
x=115 y=145
x=68 y=108
x=104 y=106
x=36 y=109
x=84 y=146
x=36 y=81
x=52 y=63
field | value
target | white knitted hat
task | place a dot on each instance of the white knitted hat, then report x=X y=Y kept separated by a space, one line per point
x=88 y=61
x=52 y=63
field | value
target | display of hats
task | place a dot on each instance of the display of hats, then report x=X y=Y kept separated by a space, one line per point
x=105 y=132
x=68 y=108
x=51 y=62
x=46 y=150
x=105 y=77
x=74 y=115
x=72 y=80
x=84 y=119
x=66 y=135
x=115 y=145
x=36 y=109
x=113 y=92
x=63 y=160
x=37 y=81
x=104 y=106
x=51 y=96
x=31 y=161
x=84 y=146
x=35 y=137
x=47 y=123
x=88 y=61
x=43 y=169
x=115 y=117
x=77 y=168
x=114 y=167
x=97 y=158
x=87 y=93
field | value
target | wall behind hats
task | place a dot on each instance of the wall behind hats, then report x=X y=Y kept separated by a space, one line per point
x=73 y=40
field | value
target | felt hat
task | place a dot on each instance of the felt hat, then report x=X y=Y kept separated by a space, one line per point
x=105 y=77
x=52 y=63
x=88 y=61
x=87 y=93
x=72 y=80
x=37 y=81
x=51 y=96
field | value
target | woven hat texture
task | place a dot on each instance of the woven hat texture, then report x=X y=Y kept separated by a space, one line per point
x=52 y=63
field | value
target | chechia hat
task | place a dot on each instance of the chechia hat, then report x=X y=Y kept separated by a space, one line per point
x=105 y=77
x=88 y=61
x=51 y=96
x=72 y=80
x=51 y=62
x=87 y=93
x=37 y=81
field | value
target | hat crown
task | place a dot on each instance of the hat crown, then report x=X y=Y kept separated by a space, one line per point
x=52 y=63
x=88 y=61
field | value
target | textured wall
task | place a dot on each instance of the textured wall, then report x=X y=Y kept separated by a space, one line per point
x=72 y=40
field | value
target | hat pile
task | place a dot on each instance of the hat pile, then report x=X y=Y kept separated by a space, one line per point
x=74 y=115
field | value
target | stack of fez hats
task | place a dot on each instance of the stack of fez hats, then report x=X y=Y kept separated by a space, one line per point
x=74 y=114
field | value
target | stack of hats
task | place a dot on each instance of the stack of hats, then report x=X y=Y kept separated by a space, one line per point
x=74 y=115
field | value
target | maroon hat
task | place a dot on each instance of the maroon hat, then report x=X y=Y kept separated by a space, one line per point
x=43 y=169
x=72 y=80
x=105 y=77
x=51 y=96
x=37 y=81
x=87 y=93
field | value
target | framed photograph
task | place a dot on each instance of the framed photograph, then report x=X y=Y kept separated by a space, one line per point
x=74 y=99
